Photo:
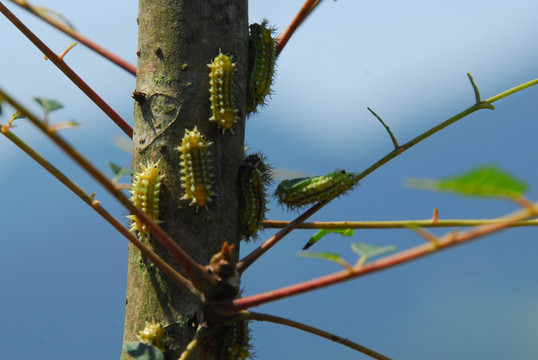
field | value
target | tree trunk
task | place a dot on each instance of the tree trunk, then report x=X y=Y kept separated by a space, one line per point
x=177 y=39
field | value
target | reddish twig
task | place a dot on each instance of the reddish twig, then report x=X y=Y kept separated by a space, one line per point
x=242 y=265
x=196 y=272
x=301 y=16
x=95 y=205
x=60 y=64
x=78 y=36
x=447 y=241
x=248 y=315
x=269 y=243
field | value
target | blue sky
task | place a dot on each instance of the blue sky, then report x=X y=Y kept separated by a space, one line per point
x=64 y=269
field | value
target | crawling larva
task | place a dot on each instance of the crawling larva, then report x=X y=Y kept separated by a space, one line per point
x=255 y=177
x=262 y=58
x=153 y=334
x=296 y=193
x=145 y=191
x=224 y=114
x=196 y=168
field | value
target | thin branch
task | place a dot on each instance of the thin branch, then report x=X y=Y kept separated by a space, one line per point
x=62 y=55
x=445 y=242
x=60 y=64
x=249 y=259
x=95 y=205
x=475 y=89
x=393 y=224
x=273 y=240
x=392 y=137
x=247 y=315
x=40 y=13
x=428 y=236
x=301 y=16
x=197 y=274
x=511 y=91
x=201 y=333
x=478 y=106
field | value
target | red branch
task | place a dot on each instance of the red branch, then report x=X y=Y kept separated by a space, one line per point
x=414 y=253
x=60 y=64
x=197 y=274
x=301 y=16
x=79 y=37
x=273 y=240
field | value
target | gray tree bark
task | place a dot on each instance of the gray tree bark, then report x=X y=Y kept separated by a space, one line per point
x=177 y=39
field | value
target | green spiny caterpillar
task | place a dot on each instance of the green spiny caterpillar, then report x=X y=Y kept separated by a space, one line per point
x=145 y=191
x=261 y=67
x=154 y=335
x=220 y=92
x=196 y=168
x=254 y=178
x=296 y=193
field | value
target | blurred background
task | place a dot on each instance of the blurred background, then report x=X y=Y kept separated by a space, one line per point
x=63 y=272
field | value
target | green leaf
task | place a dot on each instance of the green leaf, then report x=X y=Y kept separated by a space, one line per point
x=142 y=351
x=366 y=251
x=17 y=115
x=119 y=171
x=490 y=181
x=115 y=168
x=326 y=256
x=48 y=105
x=317 y=237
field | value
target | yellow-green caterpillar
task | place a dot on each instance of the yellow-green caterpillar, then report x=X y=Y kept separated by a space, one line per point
x=254 y=178
x=196 y=168
x=261 y=67
x=296 y=193
x=220 y=92
x=153 y=334
x=145 y=191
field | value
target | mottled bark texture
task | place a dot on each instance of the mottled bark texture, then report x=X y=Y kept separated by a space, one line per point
x=177 y=39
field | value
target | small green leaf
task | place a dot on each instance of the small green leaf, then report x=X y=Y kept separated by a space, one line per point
x=366 y=251
x=326 y=256
x=142 y=351
x=488 y=181
x=317 y=237
x=116 y=169
x=17 y=115
x=48 y=105
x=119 y=171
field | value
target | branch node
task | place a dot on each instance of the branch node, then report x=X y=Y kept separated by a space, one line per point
x=392 y=137
x=434 y=240
x=435 y=215
x=61 y=56
x=475 y=89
